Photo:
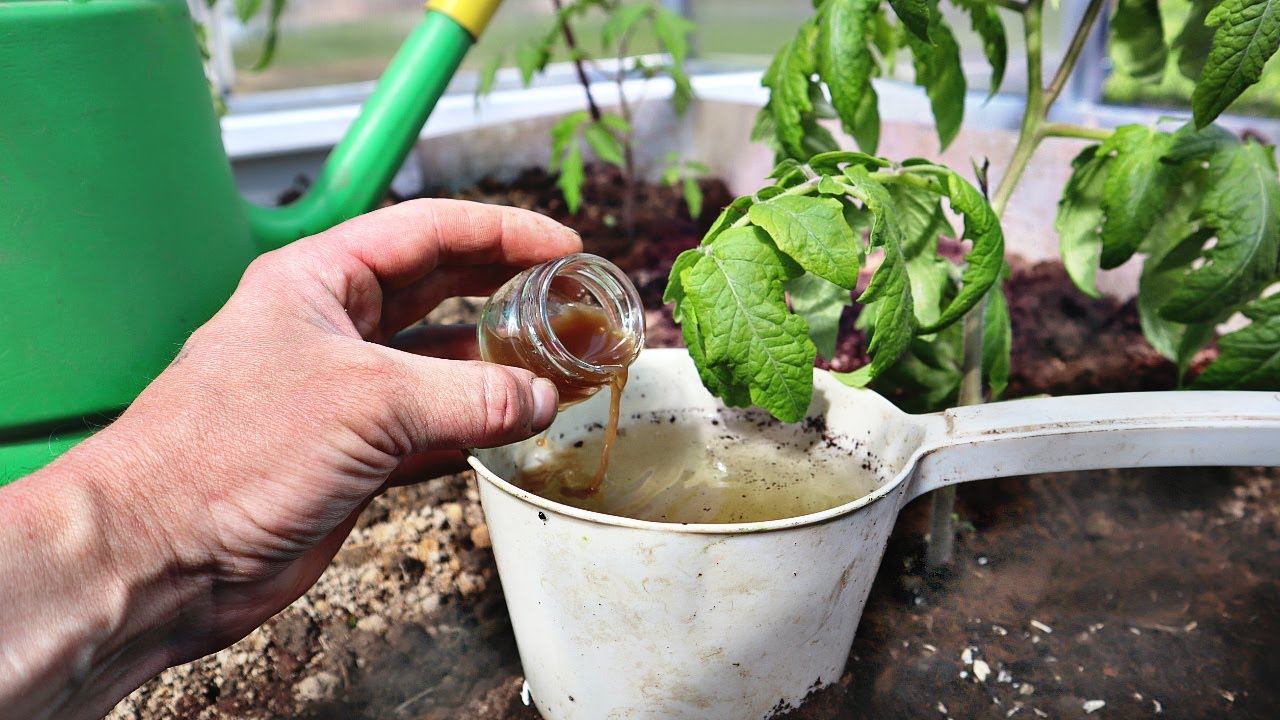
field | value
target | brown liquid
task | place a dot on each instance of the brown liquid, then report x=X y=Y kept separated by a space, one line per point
x=703 y=467
x=585 y=331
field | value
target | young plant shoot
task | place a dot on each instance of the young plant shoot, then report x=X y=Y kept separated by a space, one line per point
x=608 y=135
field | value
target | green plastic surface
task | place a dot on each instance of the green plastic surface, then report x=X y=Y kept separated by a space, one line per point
x=120 y=226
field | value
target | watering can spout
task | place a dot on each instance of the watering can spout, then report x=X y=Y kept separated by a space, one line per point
x=359 y=171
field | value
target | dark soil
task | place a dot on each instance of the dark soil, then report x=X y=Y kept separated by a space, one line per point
x=1154 y=591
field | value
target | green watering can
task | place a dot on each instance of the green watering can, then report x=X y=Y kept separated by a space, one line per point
x=121 y=229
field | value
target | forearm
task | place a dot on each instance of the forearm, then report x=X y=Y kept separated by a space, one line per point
x=91 y=592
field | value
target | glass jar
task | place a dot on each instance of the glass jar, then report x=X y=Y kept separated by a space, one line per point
x=577 y=321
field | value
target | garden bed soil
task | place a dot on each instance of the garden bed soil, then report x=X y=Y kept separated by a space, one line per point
x=1153 y=591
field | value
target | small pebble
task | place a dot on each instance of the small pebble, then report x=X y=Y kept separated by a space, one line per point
x=981 y=670
x=1091 y=706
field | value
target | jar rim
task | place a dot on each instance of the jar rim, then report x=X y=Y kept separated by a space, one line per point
x=610 y=286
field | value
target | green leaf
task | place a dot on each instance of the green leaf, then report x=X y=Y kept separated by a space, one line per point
x=832 y=161
x=571 y=177
x=1136 y=191
x=716 y=378
x=1194 y=40
x=488 y=74
x=820 y=303
x=736 y=291
x=674 y=292
x=930 y=278
x=1137 y=39
x=1161 y=276
x=563 y=134
x=621 y=20
x=730 y=215
x=692 y=197
x=1242 y=206
x=997 y=341
x=272 y=38
x=683 y=93
x=812 y=231
x=1079 y=221
x=921 y=217
x=894 y=324
x=246 y=9
x=604 y=144
x=914 y=14
x=788 y=81
x=939 y=72
x=672 y=30
x=988 y=26
x=531 y=58
x=1247 y=35
x=846 y=65
x=984 y=261
x=1192 y=143
x=1249 y=358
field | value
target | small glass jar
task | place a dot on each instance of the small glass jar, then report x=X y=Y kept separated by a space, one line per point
x=576 y=321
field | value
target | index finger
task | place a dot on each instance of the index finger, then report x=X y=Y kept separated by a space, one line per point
x=401 y=244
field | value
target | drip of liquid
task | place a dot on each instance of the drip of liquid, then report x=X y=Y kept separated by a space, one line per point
x=727 y=467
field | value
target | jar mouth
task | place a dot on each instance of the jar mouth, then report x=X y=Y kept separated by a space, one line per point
x=611 y=289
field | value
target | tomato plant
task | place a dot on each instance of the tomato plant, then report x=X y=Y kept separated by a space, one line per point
x=609 y=135
x=763 y=292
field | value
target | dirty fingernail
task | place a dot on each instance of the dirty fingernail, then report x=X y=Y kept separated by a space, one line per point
x=545 y=399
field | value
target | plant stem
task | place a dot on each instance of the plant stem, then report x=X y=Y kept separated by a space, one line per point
x=1073 y=52
x=1034 y=129
x=1014 y=5
x=1067 y=130
x=572 y=44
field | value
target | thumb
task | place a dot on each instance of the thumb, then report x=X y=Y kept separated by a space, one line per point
x=459 y=404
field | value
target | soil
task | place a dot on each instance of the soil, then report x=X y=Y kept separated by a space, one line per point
x=1117 y=593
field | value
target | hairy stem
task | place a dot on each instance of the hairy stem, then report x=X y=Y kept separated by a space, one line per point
x=1033 y=114
x=628 y=150
x=572 y=44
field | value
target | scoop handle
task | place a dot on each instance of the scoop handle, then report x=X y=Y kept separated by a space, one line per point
x=1090 y=432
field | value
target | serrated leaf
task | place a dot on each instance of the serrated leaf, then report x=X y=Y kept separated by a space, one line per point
x=692 y=197
x=988 y=26
x=683 y=94
x=734 y=212
x=894 y=325
x=1137 y=39
x=921 y=217
x=1161 y=275
x=1249 y=358
x=997 y=341
x=788 y=81
x=715 y=378
x=563 y=134
x=820 y=303
x=488 y=74
x=930 y=278
x=1242 y=206
x=621 y=20
x=812 y=231
x=736 y=291
x=1079 y=221
x=846 y=65
x=604 y=144
x=914 y=14
x=531 y=58
x=939 y=72
x=1192 y=143
x=1247 y=35
x=1194 y=40
x=672 y=30
x=1136 y=190
x=674 y=292
x=831 y=161
x=571 y=177
x=984 y=261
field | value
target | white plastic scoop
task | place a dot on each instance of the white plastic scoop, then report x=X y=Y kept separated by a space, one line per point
x=620 y=618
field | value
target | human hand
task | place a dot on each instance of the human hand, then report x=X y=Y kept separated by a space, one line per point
x=233 y=479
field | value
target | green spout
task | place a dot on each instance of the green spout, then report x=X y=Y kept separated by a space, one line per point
x=359 y=170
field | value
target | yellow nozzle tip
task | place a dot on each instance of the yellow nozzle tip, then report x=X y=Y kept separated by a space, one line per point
x=472 y=15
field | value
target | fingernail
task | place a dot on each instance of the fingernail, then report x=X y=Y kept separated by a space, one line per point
x=545 y=400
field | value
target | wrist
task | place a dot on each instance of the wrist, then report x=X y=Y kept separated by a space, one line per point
x=98 y=584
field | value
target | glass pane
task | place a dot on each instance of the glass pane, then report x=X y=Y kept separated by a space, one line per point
x=1173 y=90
